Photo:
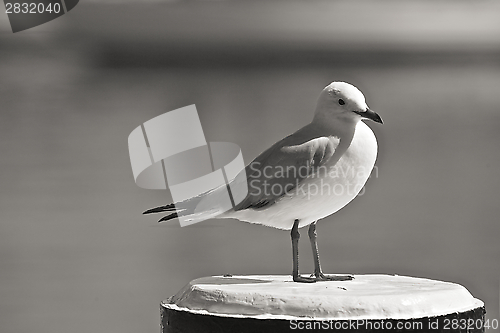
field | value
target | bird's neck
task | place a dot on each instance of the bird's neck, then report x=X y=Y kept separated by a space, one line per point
x=338 y=126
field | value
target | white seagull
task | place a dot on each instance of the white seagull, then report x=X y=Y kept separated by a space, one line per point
x=304 y=177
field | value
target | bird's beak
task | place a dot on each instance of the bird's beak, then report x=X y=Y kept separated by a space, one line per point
x=370 y=114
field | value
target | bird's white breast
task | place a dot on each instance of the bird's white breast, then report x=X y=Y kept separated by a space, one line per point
x=321 y=194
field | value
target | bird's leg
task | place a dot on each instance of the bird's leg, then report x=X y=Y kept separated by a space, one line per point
x=319 y=276
x=295 y=249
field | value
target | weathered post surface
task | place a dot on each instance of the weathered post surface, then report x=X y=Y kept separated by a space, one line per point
x=275 y=303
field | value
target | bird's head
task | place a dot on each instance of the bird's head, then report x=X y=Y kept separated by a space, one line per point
x=341 y=100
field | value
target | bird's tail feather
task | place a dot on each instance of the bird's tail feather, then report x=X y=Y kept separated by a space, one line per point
x=170 y=208
x=174 y=210
x=196 y=208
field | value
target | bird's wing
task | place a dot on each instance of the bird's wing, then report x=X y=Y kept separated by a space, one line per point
x=277 y=170
x=283 y=167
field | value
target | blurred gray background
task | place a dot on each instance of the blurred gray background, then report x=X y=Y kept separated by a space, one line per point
x=77 y=255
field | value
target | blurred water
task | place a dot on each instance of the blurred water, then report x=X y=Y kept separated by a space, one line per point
x=75 y=253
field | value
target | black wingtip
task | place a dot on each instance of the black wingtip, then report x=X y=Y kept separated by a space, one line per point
x=151 y=211
x=168 y=217
x=160 y=209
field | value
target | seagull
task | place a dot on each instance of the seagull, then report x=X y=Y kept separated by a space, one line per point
x=304 y=177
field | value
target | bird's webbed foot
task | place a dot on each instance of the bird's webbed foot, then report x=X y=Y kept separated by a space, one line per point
x=304 y=279
x=322 y=277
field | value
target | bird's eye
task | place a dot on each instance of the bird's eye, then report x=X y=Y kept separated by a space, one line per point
x=341 y=101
